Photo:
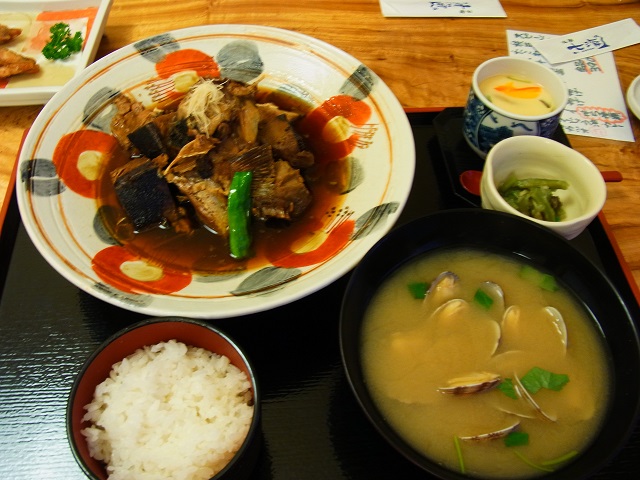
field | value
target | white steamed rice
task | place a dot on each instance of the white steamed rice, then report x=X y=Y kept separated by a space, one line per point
x=169 y=411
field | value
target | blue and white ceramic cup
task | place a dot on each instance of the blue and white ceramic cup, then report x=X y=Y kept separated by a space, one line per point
x=486 y=124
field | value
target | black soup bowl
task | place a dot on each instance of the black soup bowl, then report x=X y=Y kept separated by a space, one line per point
x=509 y=236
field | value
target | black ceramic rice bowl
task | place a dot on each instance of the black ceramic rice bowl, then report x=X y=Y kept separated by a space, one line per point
x=509 y=236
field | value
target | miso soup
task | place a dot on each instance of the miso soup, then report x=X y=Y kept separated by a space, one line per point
x=496 y=370
x=517 y=95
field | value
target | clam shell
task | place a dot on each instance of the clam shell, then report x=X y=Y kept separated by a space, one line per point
x=520 y=325
x=473 y=383
x=501 y=433
x=558 y=322
x=496 y=293
x=442 y=289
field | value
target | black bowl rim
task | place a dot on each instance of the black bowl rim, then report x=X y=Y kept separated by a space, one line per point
x=248 y=446
x=521 y=228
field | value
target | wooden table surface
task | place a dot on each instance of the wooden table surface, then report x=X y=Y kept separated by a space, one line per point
x=427 y=62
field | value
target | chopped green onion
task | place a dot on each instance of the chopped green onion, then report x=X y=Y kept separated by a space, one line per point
x=516 y=439
x=456 y=442
x=542 y=280
x=548 y=282
x=239 y=214
x=483 y=299
x=418 y=290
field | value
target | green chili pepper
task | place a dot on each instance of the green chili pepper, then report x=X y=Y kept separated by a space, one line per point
x=239 y=213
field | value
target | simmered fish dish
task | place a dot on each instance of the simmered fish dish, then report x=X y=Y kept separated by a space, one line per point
x=218 y=171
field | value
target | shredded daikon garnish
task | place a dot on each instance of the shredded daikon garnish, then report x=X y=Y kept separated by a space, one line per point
x=202 y=106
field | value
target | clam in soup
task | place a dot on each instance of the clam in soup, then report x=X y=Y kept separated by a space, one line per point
x=485 y=365
x=517 y=95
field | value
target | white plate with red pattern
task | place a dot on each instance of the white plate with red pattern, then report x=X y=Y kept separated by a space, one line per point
x=357 y=120
x=34 y=19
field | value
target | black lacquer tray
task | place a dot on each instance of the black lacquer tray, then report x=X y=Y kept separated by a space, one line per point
x=312 y=426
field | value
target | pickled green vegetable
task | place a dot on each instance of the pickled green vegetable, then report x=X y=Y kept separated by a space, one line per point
x=534 y=197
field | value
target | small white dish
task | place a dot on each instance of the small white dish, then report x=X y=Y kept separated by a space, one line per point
x=34 y=17
x=528 y=156
x=633 y=96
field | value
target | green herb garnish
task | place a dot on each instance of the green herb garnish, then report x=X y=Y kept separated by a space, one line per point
x=418 y=290
x=538 y=378
x=531 y=464
x=456 y=442
x=561 y=459
x=533 y=381
x=62 y=44
x=506 y=387
x=516 y=439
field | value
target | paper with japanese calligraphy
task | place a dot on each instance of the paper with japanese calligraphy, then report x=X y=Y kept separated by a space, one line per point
x=424 y=8
x=589 y=42
x=596 y=105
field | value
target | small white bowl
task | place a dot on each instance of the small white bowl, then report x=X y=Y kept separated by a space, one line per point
x=538 y=157
x=633 y=96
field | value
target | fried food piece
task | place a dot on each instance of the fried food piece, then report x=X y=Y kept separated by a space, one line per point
x=12 y=63
x=7 y=34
